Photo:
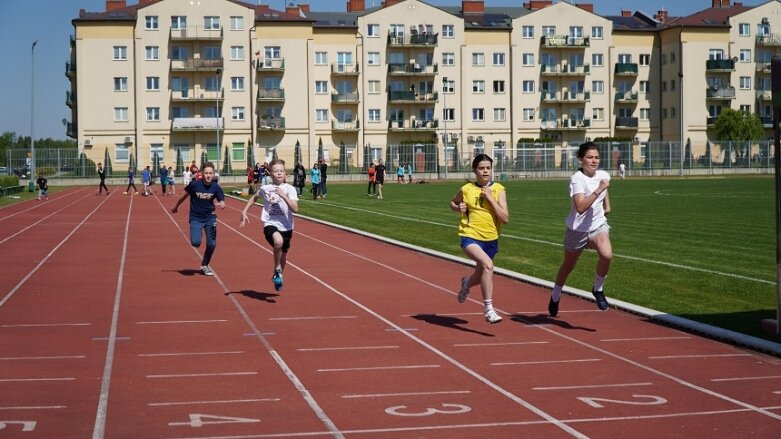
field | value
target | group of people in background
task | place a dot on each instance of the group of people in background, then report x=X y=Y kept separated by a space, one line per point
x=401 y=170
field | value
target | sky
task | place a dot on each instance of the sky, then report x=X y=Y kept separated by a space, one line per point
x=49 y=22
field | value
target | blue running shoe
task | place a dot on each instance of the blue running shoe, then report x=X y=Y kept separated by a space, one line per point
x=277 y=279
x=599 y=296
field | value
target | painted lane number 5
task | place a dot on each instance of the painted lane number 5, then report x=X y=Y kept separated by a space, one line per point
x=654 y=400
x=447 y=409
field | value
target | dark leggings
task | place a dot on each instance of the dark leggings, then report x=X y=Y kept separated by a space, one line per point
x=315 y=189
x=372 y=189
x=129 y=185
x=102 y=186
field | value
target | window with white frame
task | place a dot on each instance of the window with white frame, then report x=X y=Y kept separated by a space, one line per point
x=373 y=30
x=498 y=58
x=478 y=59
x=449 y=114
x=527 y=32
x=321 y=58
x=272 y=52
x=598 y=113
x=178 y=22
x=374 y=115
x=238 y=152
x=478 y=114
x=449 y=86
x=321 y=87
x=121 y=153
x=744 y=29
x=120 y=53
x=763 y=29
x=597 y=32
x=120 y=114
x=237 y=53
x=211 y=23
x=185 y=150
x=151 y=22
x=156 y=150
x=321 y=115
x=211 y=83
x=152 y=114
x=478 y=86
x=598 y=87
x=373 y=58
x=396 y=30
x=152 y=83
x=715 y=54
x=528 y=86
x=120 y=83
x=237 y=83
x=645 y=59
x=576 y=31
x=500 y=114
x=745 y=55
x=374 y=87
x=448 y=59
x=528 y=114
x=448 y=31
x=745 y=109
x=237 y=113
x=645 y=114
x=644 y=87
x=549 y=31
x=597 y=59
x=237 y=22
x=745 y=82
x=499 y=86
x=527 y=59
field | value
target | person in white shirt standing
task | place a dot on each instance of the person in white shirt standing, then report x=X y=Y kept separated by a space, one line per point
x=586 y=225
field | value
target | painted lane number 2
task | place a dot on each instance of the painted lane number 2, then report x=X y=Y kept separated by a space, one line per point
x=26 y=425
x=595 y=402
x=447 y=409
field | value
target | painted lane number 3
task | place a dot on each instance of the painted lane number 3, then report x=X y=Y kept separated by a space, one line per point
x=447 y=409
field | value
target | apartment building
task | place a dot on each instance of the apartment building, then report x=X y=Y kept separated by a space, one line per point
x=242 y=82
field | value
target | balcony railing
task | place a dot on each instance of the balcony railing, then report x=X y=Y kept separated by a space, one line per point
x=196 y=64
x=565 y=69
x=345 y=69
x=198 y=123
x=412 y=40
x=576 y=96
x=565 y=124
x=564 y=42
x=721 y=92
x=271 y=94
x=70 y=69
x=345 y=98
x=763 y=67
x=412 y=97
x=767 y=121
x=626 y=97
x=70 y=99
x=764 y=95
x=196 y=33
x=627 y=122
x=711 y=120
x=70 y=130
x=197 y=96
x=413 y=125
x=270 y=65
x=719 y=65
x=769 y=40
x=271 y=123
x=413 y=69
x=626 y=69
x=350 y=125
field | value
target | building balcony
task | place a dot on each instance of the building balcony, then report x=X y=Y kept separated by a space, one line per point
x=626 y=69
x=764 y=95
x=626 y=123
x=412 y=97
x=565 y=124
x=70 y=99
x=412 y=69
x=626 y=97
x=563 y=42
x=346 y=126
x=266 y=123
x=550 y=97
x=197 y=124
x=195 y=33
x=413 y=40
x=345 y=69
x=271 y=94
x=345 y=98
x=720 y=65
x=197 y=95
x=575 y=97
x=70 y=130
x=70 y=69
x=413 y=125
x=721 y=92
x=270 y=65
x=769 y=40
x=711 y=121
x=565 y=69
x=196 y=64
x=763 y=67
x=767 y=121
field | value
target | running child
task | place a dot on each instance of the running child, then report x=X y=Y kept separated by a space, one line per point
x=483 y=208
x=280 y=202
x=202 y=194
x=43 y=186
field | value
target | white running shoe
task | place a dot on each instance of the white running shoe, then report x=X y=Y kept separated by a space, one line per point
x=492 y=317
x=206 y=270
x=464 y=290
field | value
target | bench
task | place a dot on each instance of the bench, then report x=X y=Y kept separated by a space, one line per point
x=10 y=190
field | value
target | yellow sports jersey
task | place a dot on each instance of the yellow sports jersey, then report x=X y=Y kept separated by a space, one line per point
x=479 y=221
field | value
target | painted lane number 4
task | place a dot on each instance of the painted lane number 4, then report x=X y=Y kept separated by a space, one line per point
x=595 y=402
x=447 y=409
x=200 y=419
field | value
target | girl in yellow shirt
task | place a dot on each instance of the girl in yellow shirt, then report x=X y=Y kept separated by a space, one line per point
x=483 y=208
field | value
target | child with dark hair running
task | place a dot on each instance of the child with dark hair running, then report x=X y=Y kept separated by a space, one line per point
x=202 y=194
x=102 y=176
x=483 y=208
x=586 y=225
x=280 y=202
x=131 y=181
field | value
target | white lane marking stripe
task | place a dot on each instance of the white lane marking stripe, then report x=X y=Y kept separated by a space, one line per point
x=513 y=343
x=522 y=363
x=384 y=395
x=227 y=401
x=184 y=354
x=312 y=318
x=671 y=357
x=351 y=369
x=644 y=339
x=37 y=205
x=195 y=375
x=40 y=407
x=43 y=325
x=24 y=380
x=771 y=377
x=172 y=322
x=62 y=357
x=595 y=386
x=347 y=348
x=41 y=220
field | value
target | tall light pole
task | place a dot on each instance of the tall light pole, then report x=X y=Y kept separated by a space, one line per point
x=444 y=119
x=32 y=113
x=217 y=104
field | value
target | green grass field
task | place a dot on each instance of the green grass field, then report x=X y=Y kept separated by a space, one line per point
x=699 y=248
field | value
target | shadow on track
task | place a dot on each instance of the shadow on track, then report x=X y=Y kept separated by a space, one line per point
x=448 y=322
x=257 y=295
x=541 y=319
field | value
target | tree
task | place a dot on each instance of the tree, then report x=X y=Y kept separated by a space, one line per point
x=737 y=126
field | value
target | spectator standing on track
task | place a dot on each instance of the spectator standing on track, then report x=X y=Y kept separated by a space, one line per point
x=299 y=178
x=202 y=194
x=483 y=208
x=586 y=225
x=171 y=181
x=409 y=174
x=163 y=179
x=102 y=176
x=280 y=202
x=131 y=181
x=43 y=186
x=314 y=176
x=372 y=189
x=379 y=177
x=146 y=177
x=400 y=174
x=323 y=178
x=187 y=177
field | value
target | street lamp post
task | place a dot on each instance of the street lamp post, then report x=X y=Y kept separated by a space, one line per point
x=32 y=113
x=444 y=119
x=217 y=115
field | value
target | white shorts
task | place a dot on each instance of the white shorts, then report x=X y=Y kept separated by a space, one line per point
x=575 y=241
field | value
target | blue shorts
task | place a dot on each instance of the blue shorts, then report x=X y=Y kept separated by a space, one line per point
x=491 y=248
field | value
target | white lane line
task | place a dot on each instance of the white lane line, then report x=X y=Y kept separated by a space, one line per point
x=227 y=401
x=771 y=377
x=595 y=386
x=184 y=354
x=313 y=318
x=174 y=322
x=644 y=339
x=49 y=255
x=61 y=357
x=386 y=395
x=351 y=369
x=37 y=205
x=522 y=363
x=401 y=329
x=512 y=343
x=291 y=376
x=777 y=392
x=41 y=220
x=99 y=429
x=671 y=357
x=346 y=348
x=195 y=375
x=40 y=407
x=24 y=380
x=43 y=325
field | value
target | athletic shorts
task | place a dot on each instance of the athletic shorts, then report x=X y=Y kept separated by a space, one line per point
x=491 y=248
x=269 y=231
x=575 y=241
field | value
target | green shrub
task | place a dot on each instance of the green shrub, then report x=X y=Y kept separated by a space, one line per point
x=9 y=180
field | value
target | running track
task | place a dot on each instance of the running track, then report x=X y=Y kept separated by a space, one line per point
x=107 y=330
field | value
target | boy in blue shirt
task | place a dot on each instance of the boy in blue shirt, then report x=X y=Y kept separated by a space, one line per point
x=202 y=194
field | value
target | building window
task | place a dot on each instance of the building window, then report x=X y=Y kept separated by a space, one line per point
x=178 y=22
x=153 y=83
x=763 y=29
x=321 y=87
x=672 y=85
x=211 y=83
x=237 y=23
x=664 y=58
x=597 y=59
x=238 y=152
x=664 y=113
x=744 y=30
x=211 y=23
x=478 y=86
x=237 y=113
x=237 y=53
x=120 y=83
x=478 y=59
x=120 y=114
x=645 y=114
x=449 y=86
x=374 y=87
x=528 y=86
x=644 y=87
x=212 y=52
x=272 y=52
x=374 y=115
x=498 y=58
x=321 y=58
x=120 y=53
x=664 y=86
x=449 y=114
x=121 y=153
x=528 y=114
x=672 y=112
x=645 y=59
x=745 y=109
x=152 y=53
x=549 y=31
x=672 y=57
x=179 y=53
x=151 y=22
x=597 y=32
x=237 y=83
x=321 y=115
x=448 y=59
x=153 y=114
x=373 y=58
x=745 y=82
x=527 y=59
x=448 y=31
x=499 y=86
x=598 y=86
x=598 y=113
x=478 y=114
x=373 y=30
x=745 y=55
x=500 y=114
x=576 y=31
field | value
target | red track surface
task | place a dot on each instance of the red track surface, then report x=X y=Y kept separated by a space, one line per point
x=108 y=330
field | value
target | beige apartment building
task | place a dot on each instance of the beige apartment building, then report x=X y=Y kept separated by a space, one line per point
x=227 y=77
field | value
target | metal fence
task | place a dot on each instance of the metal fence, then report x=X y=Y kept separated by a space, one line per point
x=430 y=159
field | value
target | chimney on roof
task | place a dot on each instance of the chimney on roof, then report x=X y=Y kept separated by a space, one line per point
x=534 y=5
x=586 y=6
x=626 y=12
x=661 y=16
x=304 y=7
x=113 y=5
x=472 y=7
x=292 y=9
x=719 y=3
x=356 y=5
x=387 y=3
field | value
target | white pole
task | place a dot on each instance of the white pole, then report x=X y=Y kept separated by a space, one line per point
x=32 y=114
